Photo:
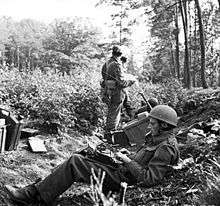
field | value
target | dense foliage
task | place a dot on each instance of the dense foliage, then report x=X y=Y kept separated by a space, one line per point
x=70 y=101
x=170 y=91
x=52 y=98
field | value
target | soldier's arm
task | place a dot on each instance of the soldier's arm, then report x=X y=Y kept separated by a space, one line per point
x=155 y=171
x=121 y=82
x=104 y=71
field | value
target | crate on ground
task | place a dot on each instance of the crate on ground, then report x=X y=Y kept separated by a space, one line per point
x=136 y=130
x=2 y=138
x=13 y=129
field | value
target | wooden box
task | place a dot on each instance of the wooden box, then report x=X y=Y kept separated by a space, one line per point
x=136 y=130
x=2 y=138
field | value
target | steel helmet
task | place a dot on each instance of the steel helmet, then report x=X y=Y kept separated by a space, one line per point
x=165 y=114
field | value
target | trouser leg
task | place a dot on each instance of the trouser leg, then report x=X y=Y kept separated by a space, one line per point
x=75 y=169
x=113 y=116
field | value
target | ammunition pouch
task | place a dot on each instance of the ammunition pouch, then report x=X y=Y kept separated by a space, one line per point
x=107 y=90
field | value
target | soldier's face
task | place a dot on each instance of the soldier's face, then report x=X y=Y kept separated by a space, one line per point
x=154 y=126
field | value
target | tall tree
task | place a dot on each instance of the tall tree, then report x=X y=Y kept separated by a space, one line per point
x=195 y=50
x=177 y=60
x=71 y=45
x=183 y=10
x=202 y=44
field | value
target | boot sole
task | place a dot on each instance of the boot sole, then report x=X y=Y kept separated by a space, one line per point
x=14 y=199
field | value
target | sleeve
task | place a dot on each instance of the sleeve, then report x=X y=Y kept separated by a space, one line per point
x=104 y=71
x=155 y=171
x=121 y=82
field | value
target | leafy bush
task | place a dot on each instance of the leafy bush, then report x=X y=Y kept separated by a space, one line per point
x=52 y=98
x=71 y=101
x=170 y=91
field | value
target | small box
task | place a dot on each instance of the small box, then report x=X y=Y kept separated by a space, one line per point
x=2 y=138
x=117 y=138
x=136 y=130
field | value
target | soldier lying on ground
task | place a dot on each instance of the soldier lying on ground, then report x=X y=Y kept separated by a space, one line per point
x=147 y=167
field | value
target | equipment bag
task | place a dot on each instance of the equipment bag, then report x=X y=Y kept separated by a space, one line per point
x=13 y=129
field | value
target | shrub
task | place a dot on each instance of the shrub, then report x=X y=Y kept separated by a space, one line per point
x=52 y=98
x=71 y=101
x=170 y=91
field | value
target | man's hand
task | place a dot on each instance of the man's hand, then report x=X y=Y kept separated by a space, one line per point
x=122 y=157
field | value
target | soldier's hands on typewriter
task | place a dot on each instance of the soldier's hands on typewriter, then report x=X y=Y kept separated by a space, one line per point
x=122 y=157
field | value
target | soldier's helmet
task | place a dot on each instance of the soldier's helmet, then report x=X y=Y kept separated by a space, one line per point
x=124 y=59
x=164 y=113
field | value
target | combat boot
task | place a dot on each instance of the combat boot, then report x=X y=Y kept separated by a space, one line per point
x=25 y=196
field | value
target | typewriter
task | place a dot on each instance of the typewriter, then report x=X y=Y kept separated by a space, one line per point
x=102 y=153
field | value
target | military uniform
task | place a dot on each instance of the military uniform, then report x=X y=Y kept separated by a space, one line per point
x=112 y=70
x=148 y=167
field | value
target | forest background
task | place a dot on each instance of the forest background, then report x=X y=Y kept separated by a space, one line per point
x=50 y=76
x=50 y=73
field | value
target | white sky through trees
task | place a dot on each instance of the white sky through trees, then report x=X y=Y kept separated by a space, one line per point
x=47 y=10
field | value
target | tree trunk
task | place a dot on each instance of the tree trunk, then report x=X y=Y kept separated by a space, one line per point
x=172 y=68
x=187 y=80
x=217 y=71
x=194 y=54
x=29 y=59
x=120 y=25
x=177 y=44
x=190 y=39
x=18 y=57
x=12 y=57
x=202 y=45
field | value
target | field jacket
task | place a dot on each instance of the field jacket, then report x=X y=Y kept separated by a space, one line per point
x=152 y=161
x=113 y=70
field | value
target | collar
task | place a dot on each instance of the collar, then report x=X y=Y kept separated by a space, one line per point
x=163 y=136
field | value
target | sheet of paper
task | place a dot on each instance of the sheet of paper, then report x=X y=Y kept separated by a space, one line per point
x=36 y=144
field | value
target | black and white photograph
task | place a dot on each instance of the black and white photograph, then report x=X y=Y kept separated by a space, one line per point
x=109 y=102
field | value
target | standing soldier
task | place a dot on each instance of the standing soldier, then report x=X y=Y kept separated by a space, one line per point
x=114 y=85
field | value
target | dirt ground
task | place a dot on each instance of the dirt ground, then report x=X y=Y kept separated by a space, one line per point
x=22 y=167
x=183 y=186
